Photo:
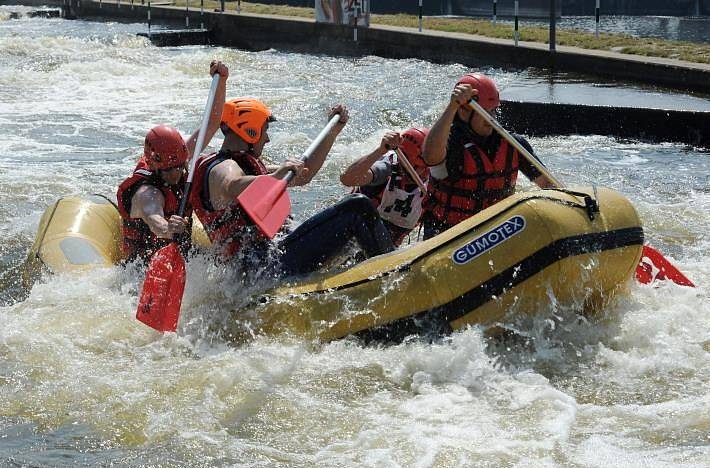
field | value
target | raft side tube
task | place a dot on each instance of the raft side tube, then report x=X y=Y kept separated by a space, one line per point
x=473 y=273
x=512 y=258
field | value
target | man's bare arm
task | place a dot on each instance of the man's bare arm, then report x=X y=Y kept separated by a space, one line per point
x=147 y=204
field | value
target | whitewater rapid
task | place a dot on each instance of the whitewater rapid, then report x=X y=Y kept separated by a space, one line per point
x=83 y=384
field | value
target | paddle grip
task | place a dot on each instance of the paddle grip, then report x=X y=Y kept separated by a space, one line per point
x=513 y=141
x=314 y=144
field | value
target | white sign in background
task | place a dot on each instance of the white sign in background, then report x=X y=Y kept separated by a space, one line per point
x=343 y=12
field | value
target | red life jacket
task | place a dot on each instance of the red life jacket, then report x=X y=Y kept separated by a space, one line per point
x=137 y=240
x=229 y=226
x=478 y=182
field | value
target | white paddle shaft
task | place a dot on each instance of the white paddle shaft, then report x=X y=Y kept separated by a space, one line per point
x=203 y=128
x=412 y=172
x=315 y=143
x=198 y=145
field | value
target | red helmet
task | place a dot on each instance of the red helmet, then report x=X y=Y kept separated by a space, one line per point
x=488 y=96
x=412 y=144
x=164 y=148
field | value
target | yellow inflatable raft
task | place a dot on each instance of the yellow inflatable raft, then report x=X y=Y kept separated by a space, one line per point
x=513 y=258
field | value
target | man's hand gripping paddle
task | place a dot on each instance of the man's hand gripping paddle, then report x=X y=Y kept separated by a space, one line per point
x=266 y=200
x=651 y=260
x=161 y=297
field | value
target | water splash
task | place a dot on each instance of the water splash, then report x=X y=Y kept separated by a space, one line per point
x=82 y=382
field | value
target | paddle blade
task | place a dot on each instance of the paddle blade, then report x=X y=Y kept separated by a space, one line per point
x=266 y=202
x=159 y=304
x=654 y=266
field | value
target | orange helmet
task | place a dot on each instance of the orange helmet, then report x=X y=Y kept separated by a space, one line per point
x=246 y=117
x=412 y=144
x=164 y=148
x=488 y=96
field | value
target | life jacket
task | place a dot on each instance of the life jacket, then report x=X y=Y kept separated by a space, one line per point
x=399 y=202
x=479 y=175
x=137 y=240
x=229 y=227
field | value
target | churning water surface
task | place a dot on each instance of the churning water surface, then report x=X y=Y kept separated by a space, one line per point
x=83 y=384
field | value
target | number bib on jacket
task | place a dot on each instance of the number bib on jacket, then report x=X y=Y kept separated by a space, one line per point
x=400 y=207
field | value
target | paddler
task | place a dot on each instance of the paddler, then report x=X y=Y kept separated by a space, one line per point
x=472 y=167
x=148 y=200
x=221 y=177
x=395 y=178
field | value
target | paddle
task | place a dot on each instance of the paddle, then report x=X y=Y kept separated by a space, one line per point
x=161 y=297
x=266 y=200
x=410 y=169
x=644 y=270
x=654 y=266
x=515 y=143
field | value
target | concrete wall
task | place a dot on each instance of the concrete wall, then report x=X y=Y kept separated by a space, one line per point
x=539 y=119
x=530 y=8
x=255 y=32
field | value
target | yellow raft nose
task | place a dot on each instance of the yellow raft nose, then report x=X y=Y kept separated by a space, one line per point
x=75 y=234
x=78 y=234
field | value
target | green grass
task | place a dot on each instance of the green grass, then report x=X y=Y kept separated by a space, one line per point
x=257 y=8
x=650 y=47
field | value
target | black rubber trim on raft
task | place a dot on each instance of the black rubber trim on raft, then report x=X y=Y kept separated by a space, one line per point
x=403 y=267
x=107 y=199
x=443 y=315
x=535 y=263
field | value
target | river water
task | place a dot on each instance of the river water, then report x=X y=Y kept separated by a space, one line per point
x=676 y=28
x=83 y=384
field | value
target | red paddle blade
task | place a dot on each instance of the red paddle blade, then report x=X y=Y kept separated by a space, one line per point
x=159 y=304
x=267 y=203
x=654 y=266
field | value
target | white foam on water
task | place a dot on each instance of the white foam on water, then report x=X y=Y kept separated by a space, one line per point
x=453 y=403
